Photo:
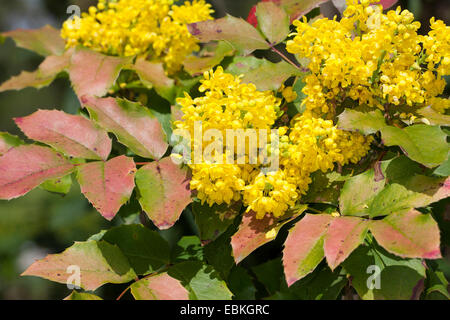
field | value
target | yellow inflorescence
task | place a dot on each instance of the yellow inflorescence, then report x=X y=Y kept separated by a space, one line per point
x=372 y=58
x=156 y=28
x=310 y=144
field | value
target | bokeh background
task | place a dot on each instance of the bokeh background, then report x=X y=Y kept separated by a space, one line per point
x=42 y=223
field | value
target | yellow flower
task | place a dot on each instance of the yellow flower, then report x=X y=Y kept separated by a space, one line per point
x=371 y=58
x=156 y=28
x=308 y=145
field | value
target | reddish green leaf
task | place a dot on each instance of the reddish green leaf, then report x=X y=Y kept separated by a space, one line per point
x=82 y=296
x=213 y=55
x=72 y=135
x=107 y=185
x=164 y=191
x=42 y=77
x=152 y=73
x=45 y=41
x=25 y=167
x=134 y=125
x=358 y=192
x=253 y=233
x=297 y=9
x=242 y=35
x=434 y=117
x=418 y=191
x=93 y=73
x=422 y=143
x=159 y=287
x=8 y=141
x=408 y=234
x=303 y=249
x=97 y=263
x=264 y=74
x=364 y=122
x=344 y=235
x=273 y=21
x=60 y=185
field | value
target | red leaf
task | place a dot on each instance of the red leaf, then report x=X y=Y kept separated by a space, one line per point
x=45 y=41
x=93 y=73
x=133 y=124
x=75 y=136
x=107 y=185
x=408 y=234
x=164 y=191
x=303 y=249
x=252 y=15
x=159 y=287
x=387 y=3
x=25 y=167
x=344 y=235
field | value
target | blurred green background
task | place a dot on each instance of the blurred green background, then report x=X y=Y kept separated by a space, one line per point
x=42 y=223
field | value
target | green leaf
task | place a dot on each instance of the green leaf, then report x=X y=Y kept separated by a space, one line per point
x=241 y=284
x=399 y=279
x=146 y=250
x=444 y=169
x=422 y=143
x=265 y=75
x=273 y=21
x=270 y=274
x=75 y=295
x=134 y=125
x=364 y=122
x=163 y=191
x=59 y=185
x=358 y=192
x=159 y=287
x=298 y=86
x=45 y=41
x=188 y=248
x=239 y=33
x=197 y=65
x=303 y=249
x=408 y=234
x=219 y=254
x=213 y=221
x=322 y=284
x=434 y=117
x=98 y=262
x=202 y=281
x=8 y=141
x=437 y=286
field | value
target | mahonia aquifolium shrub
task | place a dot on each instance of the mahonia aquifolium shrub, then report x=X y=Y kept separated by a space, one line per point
x=355 y=111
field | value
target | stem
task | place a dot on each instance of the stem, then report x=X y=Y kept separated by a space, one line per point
x=284 y=57
x=123 y=292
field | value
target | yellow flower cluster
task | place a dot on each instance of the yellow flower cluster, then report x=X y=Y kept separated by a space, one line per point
x=308 y=145
x=156 y=28
x=372 y=58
